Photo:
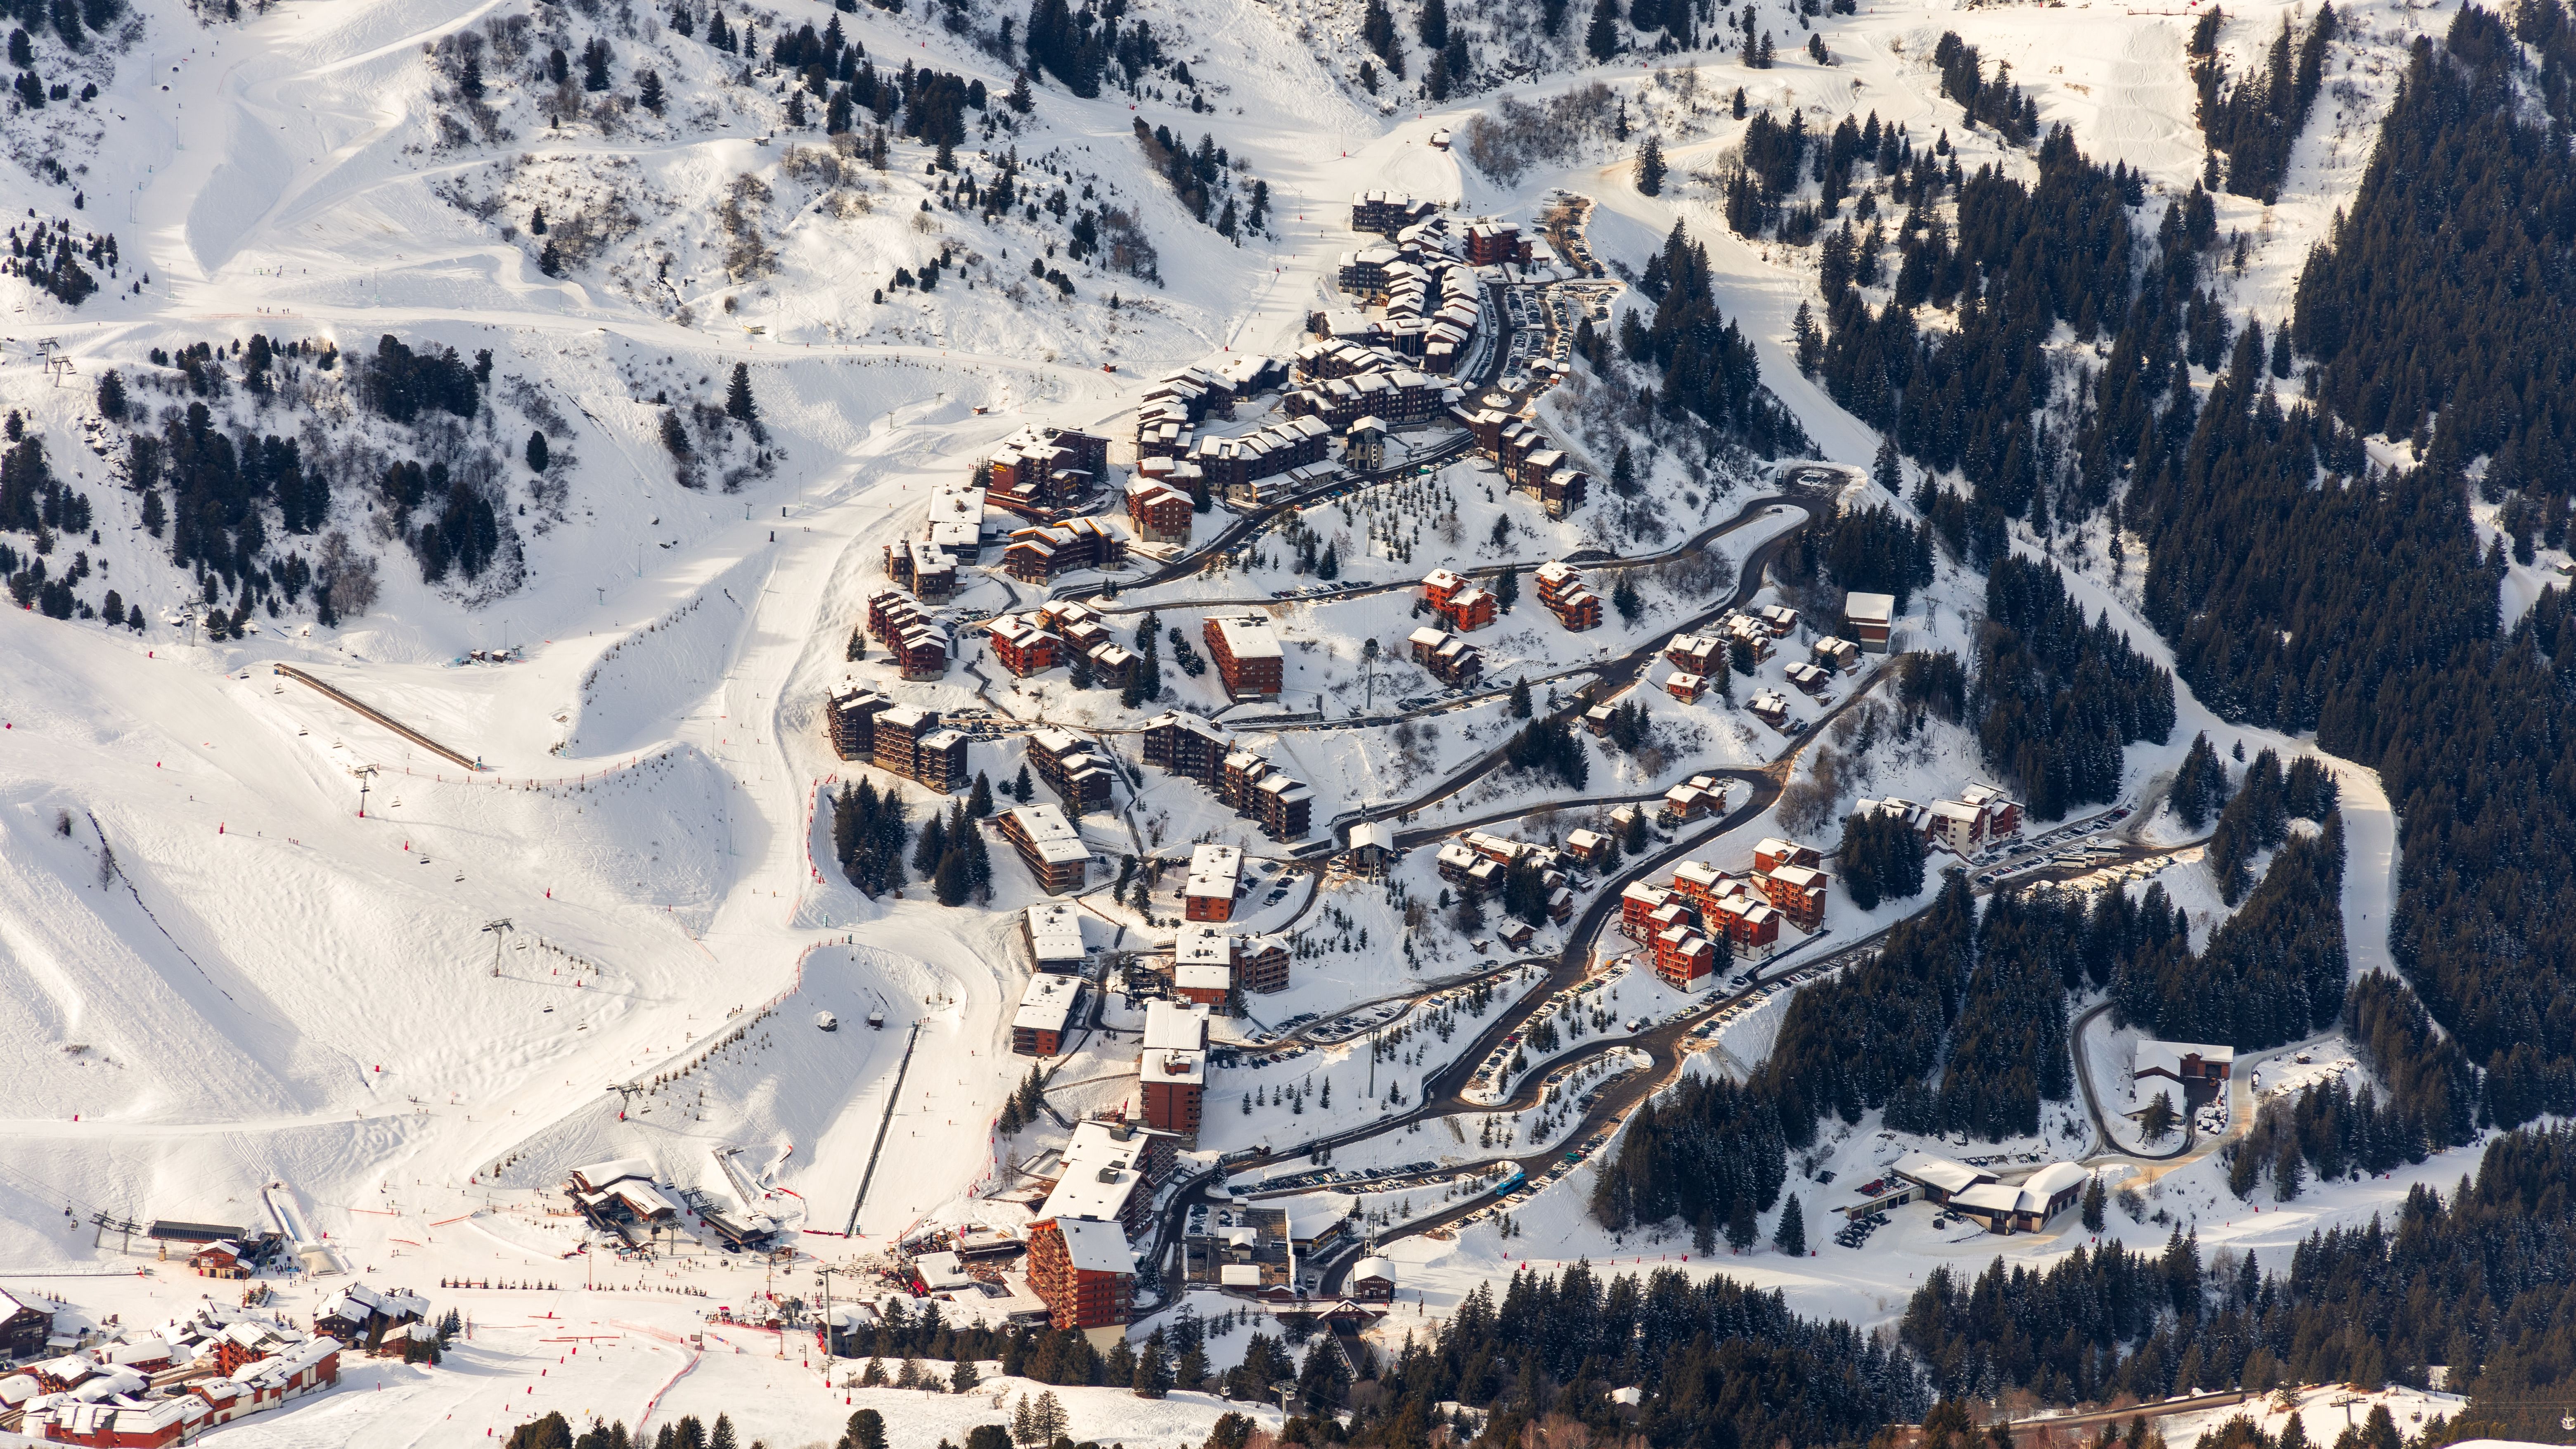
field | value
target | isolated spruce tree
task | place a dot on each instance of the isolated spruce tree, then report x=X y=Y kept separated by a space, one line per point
x=1650 y=166
x=550 y=261
x=469 y=78
x=979 y=801
x=1601 y=41
x=866 y=1430
x=594 y=65
x=675 y=438
x=2091 y=1207
x=738 y=403
x=648 y=93
x=1790 y=1234
x=538 y=455
x=859 y=648
x=1520 y=698
x=111 y=395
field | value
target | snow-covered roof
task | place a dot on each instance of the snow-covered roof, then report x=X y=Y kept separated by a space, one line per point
x=1376 y=833
x=2049 y=1181
x=1990 y=1197
x=1096 y=1247
x=1172 y=1026
x=1047 y=1004
x=1248 y=637
x=1238 y=1275
x=1202 y=942
x=2166 y=1056
x=1055 y=932
x=1049 y=833
x=1203 y=976
x=601 y=1174
x=1939 y=1172
x=942 y=1270
x=1373 y=1267
x=1869 y=608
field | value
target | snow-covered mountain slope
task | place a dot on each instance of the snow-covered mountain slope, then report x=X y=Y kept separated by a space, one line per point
x=262 y=983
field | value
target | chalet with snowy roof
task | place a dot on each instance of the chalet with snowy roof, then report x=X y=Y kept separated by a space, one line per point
x=358 y=1314
x=1185 y=744
x=924 y=567
x=24 y=1326
x=1685 y=686
x=1684 y=959
x=1041 y=554
x=2023 y=1207
x=1446 y=657
x=853 y=713
x=1247 y=655
x=913 y=743
x=1072 y=766
x=1052 y=930
x=1939 y=1178
x=1702 y=654
x=1748 y=634
x=1021 y=646
x=2200 y=1069
x=1869 y=618
x=1364 y=444
x=1203 y=965
x=1173 y=1067
x=1463 y=605
x=1388 y=212
x=1372 y=847
x=1048 y=845
x=1780 y=619
x=1085 y=1273
x=1769 y=706
x=1215 y=878
x=1496 y=243
x=1160 y=512
x=1049 y=1006
x=1809 y=678
x=1587 y=846
x=1840 y=655
x=1561 y=589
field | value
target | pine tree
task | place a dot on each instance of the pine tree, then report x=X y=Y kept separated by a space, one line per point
x=1520 y=698
x=1601 y=40
x=1021 y=789
x=979 y=801
x=738 y=403
x=537 y=453
x=1507 y=588
x=858 y=647
x=111 y=395
x=1022 y=1430
x=594 y=66
x=723 y=1437
x=550 y=261
x=963 y=1378
x=469 y=78
x=867 y=1426
x=2156 y=1123
x=1650 y=166
x=1790 y=1234
x=648 y=93
x=1020 y=100
x=1741 y=1227
x=675 y=438
x=1887 y=470
x=2091 y=1205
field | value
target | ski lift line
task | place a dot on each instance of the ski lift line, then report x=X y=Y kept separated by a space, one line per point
x=884 y=1123
x=371 y=713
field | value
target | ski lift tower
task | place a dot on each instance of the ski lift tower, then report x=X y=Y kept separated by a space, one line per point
x=58 y=363
x=499 y=930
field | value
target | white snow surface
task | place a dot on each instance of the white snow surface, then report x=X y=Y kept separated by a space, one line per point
x=264 y=986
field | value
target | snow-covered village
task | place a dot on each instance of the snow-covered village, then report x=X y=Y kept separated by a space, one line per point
x=1241 y=723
